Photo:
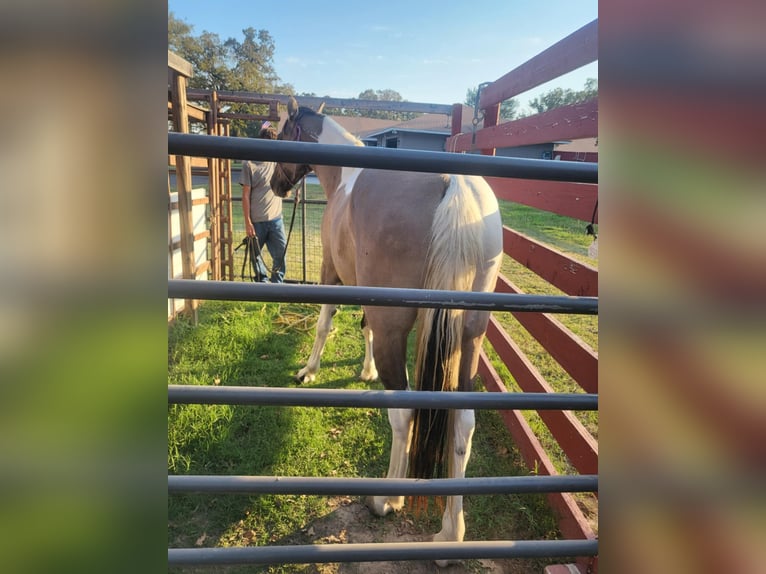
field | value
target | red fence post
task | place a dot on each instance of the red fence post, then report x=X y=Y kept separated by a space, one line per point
x=491 y=117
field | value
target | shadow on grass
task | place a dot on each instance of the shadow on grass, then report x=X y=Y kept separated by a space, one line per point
x=254 y=344
x=233 y=344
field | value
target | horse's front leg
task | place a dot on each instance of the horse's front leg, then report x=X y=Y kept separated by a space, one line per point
x=453 y=523
x=308 y=373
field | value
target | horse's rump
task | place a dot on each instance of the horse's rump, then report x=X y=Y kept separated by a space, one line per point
x=391 y=217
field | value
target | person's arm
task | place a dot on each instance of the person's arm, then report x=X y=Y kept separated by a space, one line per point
x=249 y=228
x=246 y=183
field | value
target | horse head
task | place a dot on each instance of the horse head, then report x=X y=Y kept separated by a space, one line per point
x=303 y=123
x=286 y=176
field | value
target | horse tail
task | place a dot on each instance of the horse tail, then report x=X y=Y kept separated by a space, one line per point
x=455 y=250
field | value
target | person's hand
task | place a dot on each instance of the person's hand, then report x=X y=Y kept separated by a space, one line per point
x=249 y=229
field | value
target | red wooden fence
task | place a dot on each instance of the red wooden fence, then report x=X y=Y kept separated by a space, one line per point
x=562 y=272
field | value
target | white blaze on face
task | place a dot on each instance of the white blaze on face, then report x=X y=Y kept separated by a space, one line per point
x=334 y=134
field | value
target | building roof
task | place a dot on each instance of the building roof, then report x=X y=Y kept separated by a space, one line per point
x=429 y=123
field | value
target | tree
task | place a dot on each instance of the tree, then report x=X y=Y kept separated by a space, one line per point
x=252 y=62
x=178 y=33
x=234 y=65
x=508 y=109
x=558 y=97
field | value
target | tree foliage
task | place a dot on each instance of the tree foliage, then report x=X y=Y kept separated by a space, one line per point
x=248 y=65
x=234 y=65
x=558 y=97
x=555 y=98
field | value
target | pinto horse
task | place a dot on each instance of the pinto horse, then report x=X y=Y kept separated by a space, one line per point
x=386 y=228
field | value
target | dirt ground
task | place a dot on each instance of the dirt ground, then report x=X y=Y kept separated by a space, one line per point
x=352 y=523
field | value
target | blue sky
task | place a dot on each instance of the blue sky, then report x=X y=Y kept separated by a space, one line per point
x=428 y=51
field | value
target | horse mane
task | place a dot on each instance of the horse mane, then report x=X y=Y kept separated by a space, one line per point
x=339 y=132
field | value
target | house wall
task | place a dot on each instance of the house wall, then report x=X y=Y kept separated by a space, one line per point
x=588 y=156
x=436 y=142
x=538 y=151
x=175 y=261
x=411 y=140
x=426 y=142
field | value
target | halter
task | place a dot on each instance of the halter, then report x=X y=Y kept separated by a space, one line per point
x=292 y=182
x=297 y=131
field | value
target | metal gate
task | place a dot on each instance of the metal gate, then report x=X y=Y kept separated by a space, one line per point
x=210 y=146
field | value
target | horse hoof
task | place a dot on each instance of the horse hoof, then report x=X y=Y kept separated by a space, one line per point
x=369 y=375
x=369 y=502
x=302 y=377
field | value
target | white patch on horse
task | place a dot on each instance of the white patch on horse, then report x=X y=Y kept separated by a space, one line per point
x=334 y=134
x=348 y=178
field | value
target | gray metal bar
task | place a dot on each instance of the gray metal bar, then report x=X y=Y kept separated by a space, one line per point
x=381 y=486
x=374 y=552
x=314 y=101
x=379 y=296
x=228 y=395
x=303 y=226
x=379 y=158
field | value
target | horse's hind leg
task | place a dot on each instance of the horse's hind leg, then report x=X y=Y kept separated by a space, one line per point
x=464 y=423
x=369 y=371
x=324 y=324
x=453 y=523
x=391 y=327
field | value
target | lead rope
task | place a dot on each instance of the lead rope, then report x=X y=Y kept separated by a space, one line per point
x=590 y=229
x=292 y=219
x=251 y=246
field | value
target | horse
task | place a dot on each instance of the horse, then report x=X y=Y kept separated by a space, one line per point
x=384 y=228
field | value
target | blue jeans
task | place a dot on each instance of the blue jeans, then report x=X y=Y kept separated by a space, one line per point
x=271 y=234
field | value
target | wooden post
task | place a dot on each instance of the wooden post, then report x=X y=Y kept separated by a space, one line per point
x=183 y=186
x=214 y=194
x=226 y=208
x=457 y=119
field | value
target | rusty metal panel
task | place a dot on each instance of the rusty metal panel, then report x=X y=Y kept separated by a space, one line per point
x=575 y=440
x=572 y=277
x=572 y=122
x=569 y=351
x=575 y=121
x=572 y=522
x=575 y=200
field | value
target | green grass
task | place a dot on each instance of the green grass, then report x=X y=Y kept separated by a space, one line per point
x=260 y=344
x=265 y=344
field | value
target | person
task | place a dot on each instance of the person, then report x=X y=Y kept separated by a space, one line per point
x=262 y=210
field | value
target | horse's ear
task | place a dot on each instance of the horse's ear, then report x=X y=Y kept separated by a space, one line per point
x=320 y=108
x=292 y=107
